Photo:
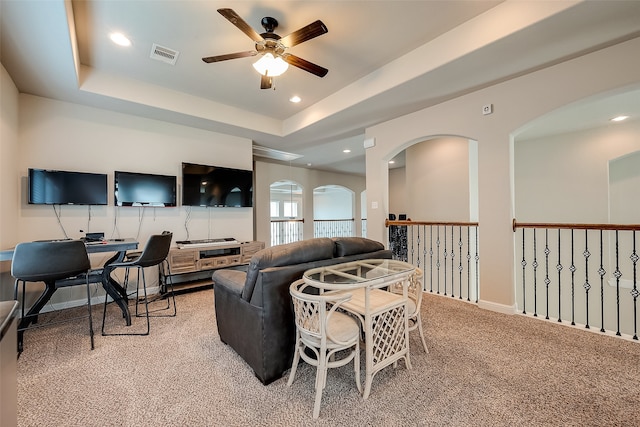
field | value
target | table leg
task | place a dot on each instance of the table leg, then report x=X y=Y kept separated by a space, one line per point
x=368 y=379
x=407 y=354
x=384 y=354
x=369 y=341
x=114 y=289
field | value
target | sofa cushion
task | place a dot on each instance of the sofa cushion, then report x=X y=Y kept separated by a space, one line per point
x=345 y=246
x=303 y=251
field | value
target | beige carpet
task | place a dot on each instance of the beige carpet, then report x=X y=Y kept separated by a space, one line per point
x=483 y=369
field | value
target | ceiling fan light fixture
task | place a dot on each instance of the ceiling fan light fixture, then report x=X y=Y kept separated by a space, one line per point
x=271 y=66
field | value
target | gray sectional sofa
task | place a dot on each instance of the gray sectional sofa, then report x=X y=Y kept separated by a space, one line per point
x=253 y=309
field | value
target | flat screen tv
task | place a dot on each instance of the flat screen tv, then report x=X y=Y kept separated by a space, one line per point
x=54 y=187
x=216 y=186
x=144 y=189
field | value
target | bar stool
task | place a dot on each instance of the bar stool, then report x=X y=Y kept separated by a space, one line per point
x=154 y=253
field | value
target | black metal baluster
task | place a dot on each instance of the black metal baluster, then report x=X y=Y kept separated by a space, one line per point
x=417 y=246
x=477 y=267
x=617 y=274
x=431 y=257
x=586 y=285
x=547 y=281
x=535 y=275
x=453 y=255
x=634 y=292
x=460 y=262
x=524 y=265
x=572 y=268
x=424 y=258
x=601 y=272
x=559 y=268
x=412 y=251
x=468 y=263
x=445 y=259
x=438 y=258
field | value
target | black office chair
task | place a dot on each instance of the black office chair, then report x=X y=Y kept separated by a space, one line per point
x=56 y=263
x=154 y=254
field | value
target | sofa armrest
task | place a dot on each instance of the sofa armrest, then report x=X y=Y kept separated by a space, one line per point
x=231 y=280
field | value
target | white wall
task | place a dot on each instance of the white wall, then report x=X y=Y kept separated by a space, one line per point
x=516 y=102
x=65 y=136
x=438 y=180
x=267 y=173
x=334 y=203
x=442 y=183
x=59 y=135
x=565 y=178
x=398 y=194
x=624 y=187
x=9 y=177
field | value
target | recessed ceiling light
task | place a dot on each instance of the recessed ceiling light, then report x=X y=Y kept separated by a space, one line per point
x=120 y=39
x=308 y=164
x=619 y=118
x=295 y=99
x=391 y=162
x=346 y=151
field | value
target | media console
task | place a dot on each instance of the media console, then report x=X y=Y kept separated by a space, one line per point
x=187 y=261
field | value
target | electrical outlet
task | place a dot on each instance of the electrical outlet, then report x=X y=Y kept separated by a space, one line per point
x=487 y=109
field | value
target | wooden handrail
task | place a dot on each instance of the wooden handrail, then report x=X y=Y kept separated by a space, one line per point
x=388 y=222
x=334 y=220
x=288 y=220
x=634 y=227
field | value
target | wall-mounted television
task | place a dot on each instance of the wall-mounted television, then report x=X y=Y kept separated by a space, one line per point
x=55 y=187
x=204 y=185
x=144 y=189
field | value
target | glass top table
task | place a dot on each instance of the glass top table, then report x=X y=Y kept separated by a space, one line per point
x=382 y=314
x=369 y=272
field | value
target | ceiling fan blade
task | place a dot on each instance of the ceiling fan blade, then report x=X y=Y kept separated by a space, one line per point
x=265 y=82
x=235 y=19
x=303 y=64
x=219 y=58
x=308 y=32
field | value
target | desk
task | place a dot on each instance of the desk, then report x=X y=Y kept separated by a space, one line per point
x=113 y=288
x=383 y=315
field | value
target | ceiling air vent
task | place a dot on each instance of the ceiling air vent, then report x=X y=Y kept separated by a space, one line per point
x=164 y=54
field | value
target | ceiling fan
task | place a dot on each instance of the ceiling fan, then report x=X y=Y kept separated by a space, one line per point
x=272 y=47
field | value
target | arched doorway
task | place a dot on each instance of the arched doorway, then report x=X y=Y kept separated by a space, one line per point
x=286 y=210
x=333 y=211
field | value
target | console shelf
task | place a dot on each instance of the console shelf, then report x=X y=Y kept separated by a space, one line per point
x=188 y=261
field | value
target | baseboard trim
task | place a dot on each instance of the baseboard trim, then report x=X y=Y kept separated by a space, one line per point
x=499 y=308
x=95 y=300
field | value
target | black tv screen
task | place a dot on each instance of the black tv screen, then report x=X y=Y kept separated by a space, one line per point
x=143 y=189
x=54 y=187
x=216 y=186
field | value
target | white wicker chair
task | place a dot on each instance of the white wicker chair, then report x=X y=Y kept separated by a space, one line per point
x=414 y=294
x=323 y=329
